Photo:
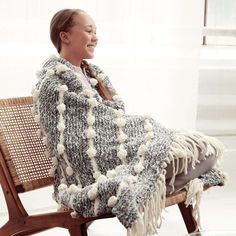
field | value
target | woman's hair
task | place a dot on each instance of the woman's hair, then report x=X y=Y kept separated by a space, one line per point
x=63 y=20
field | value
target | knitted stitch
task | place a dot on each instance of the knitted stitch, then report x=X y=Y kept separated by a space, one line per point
x=105 y=160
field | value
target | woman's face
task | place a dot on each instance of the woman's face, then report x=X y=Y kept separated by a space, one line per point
x=81 y=38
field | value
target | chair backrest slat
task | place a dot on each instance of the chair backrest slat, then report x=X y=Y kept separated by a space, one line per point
x=22 y=149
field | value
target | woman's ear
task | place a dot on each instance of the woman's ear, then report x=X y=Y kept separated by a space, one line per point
x=64 y=37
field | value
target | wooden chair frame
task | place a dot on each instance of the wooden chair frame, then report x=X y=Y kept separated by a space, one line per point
x=20 y=222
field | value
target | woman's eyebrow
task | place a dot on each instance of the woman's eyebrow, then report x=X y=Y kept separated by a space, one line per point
x=91 y=26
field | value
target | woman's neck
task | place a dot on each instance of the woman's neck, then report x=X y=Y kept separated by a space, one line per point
x=72 y=59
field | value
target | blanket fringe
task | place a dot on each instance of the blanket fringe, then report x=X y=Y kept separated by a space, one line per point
x=194 y=193
x=189 y=146
x=150 y=218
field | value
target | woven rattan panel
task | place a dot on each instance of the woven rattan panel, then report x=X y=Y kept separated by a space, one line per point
x=23 y=150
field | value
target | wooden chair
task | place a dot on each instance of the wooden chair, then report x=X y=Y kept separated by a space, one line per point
x=24 y=167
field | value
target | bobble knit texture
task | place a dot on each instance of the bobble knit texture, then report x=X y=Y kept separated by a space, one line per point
x=105 y=160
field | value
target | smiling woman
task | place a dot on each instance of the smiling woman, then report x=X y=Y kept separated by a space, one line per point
x=105 y=160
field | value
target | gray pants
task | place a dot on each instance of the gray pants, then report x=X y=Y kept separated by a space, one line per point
x=182 y=179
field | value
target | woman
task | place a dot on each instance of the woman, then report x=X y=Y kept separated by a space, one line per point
x=103 y=159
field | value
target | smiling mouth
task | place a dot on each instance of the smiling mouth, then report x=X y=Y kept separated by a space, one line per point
x=91 y=46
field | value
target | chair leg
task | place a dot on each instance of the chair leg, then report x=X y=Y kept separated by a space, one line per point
x=186 y=213
x=78 y=231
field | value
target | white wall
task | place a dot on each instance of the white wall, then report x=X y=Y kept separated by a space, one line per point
x=149 y=48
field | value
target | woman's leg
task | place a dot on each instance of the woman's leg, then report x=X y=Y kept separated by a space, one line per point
x=181 y=179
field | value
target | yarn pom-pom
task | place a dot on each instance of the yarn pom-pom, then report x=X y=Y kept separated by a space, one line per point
x=101 y=76
x=61 y=68
x=138 y=168
x=63 y=181
x=142 y=149
x=37 y=118
x=69 y=171
x=39 y=133
x=50 y=72
x=96 y=174
x=88 y=92
x=149 y=135
x=74 y=214
x=122 y=137
x=148 y=126
x=101 y=178
x=122 y=153
x=61 y=127
x=62 y=187
x=112 y=201
x=63 y=88
x=111 y=173
x=51 y=172
x=60 y=148
x=35 y=94
x=91 y=133
x=93 y=193
x=120 y=122
x=115 y=97
x=73 y=189
x=93 y=102
x=91 y=119
x=119 y=112
x=61 y=107
x=91 y=152
x=93 y=82
x=45 y=140
x=54 y=161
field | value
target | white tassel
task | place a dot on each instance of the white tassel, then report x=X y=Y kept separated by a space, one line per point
x=142 y=149
x=60 y=148
x=138 y=168
x=93 y=193
x=91 y=152
x=63 y=88
x=93 y=82
x=69 y=171
x=112 y=201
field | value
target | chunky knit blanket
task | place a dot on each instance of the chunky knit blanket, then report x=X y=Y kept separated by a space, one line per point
x=105 y=160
